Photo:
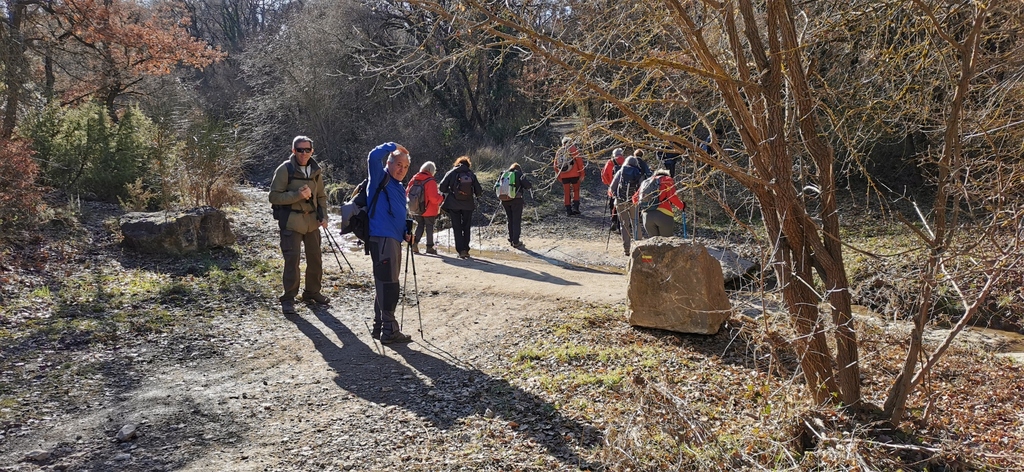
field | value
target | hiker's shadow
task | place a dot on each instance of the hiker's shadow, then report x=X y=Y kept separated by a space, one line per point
x=565 y=264
x=505 y=269
x=441 y=392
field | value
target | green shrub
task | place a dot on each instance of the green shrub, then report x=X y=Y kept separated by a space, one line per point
x=81 y=151
x=210 y=164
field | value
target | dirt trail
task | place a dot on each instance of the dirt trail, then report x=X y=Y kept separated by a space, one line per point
x=315 y=392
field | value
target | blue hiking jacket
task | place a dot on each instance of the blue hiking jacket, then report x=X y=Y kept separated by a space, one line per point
x=387 y=216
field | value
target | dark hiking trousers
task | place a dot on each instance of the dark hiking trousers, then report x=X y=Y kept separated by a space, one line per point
x=462 y=223
x=291 y=247
x=659 y=224
x=386 y=254
x=424 y=223
x=514 y=215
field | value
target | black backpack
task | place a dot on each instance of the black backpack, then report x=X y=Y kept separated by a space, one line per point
x=359 y=221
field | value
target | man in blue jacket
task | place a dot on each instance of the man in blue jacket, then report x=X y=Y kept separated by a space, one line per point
x=387 y=165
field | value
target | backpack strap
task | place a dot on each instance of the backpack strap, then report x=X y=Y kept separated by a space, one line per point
x=376 y=193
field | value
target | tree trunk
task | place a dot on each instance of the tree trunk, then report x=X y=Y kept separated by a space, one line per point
x=14 y=70
x=828 y=254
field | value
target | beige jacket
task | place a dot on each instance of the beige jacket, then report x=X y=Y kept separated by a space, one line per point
x=284 y=190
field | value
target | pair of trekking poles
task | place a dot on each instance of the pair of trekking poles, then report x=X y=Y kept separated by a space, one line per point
x=336 y=248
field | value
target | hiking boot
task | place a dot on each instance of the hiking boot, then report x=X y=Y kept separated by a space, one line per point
x=415 y=248
x=288 y=307
x=317 y=298
x=614 y=228
x=568 y=210
x=431 y=250
x=463 y=254
x=396 y=338
x=375 y=333
x=519 y=245
x=576 y=207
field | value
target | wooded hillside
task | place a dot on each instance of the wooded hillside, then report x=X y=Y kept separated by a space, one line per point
x=815 y=128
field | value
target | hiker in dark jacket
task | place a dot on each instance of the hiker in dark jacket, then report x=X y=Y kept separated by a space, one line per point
x=625 y=183
x=432 y=206
x=514 y=207
x=298 y=188
x=461 y=188
x=388 y=162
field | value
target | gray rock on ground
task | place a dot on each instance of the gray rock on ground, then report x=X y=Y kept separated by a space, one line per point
x=676 y=286
x=176 y=232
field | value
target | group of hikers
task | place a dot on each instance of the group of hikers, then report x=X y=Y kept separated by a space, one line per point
x=299 y=200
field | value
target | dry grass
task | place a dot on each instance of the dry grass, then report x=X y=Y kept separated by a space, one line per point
x=735 y=401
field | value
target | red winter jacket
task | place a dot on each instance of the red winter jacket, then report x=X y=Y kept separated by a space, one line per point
x=608 y=173
x=667 y=196
x=430 y=193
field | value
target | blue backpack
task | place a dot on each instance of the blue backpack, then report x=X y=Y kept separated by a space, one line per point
x=629 y=182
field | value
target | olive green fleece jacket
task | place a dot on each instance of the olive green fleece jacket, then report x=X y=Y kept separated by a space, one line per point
x=284 y=190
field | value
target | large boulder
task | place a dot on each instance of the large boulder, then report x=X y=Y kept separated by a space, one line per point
x=676 y=286
x=176 y=232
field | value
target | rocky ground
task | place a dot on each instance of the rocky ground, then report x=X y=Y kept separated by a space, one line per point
x=127 y=362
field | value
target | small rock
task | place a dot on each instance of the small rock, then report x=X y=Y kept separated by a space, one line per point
x=488 y=413
x=127 y=433
x=37 y=455
x=123 y=457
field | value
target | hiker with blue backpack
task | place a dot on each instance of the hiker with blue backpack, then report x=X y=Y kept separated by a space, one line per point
x=511 y=187
x=460 y=188
x=299 y=203
x=655 y=199
x=626 y=183
x=424 y=202
x=387 y=165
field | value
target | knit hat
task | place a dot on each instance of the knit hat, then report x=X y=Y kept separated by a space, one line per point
x=618 y=152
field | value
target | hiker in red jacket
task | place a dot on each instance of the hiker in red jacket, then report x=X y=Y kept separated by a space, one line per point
x=569 y=170
x=656 y=206
x=607 y=174
x=432 y=199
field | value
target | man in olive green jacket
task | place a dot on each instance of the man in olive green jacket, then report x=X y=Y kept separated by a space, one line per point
x=297 y=192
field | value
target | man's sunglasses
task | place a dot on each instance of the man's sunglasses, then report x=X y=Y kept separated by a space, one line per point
x=303 y=150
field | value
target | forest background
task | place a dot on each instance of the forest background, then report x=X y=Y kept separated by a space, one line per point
x=790 y=118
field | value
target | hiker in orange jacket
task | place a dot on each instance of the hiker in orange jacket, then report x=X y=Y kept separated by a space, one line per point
x=657 y=212
x=569 y=170
x=432 y=206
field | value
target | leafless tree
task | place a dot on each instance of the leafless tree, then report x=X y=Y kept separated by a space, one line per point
x=647 y=71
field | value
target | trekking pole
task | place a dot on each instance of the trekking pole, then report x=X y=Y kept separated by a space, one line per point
x=405 y=282
x=333 y=244
x=416 y=290
x=608 y=240
x=536 y=215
